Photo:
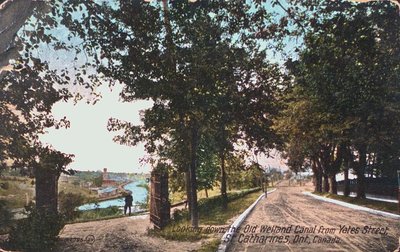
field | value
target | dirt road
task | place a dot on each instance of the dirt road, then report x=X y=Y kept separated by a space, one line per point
x=121 y=234
x=291 y=221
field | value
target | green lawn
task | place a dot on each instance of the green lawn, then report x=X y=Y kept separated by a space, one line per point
x=374 y=204
x=98 y=214
x=14 y=191
x=210 y=246
x=177 y=197
x=215 y=215
x=210 y=213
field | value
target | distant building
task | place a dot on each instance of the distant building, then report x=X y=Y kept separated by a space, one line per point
x=106 y=179
x=107 y=192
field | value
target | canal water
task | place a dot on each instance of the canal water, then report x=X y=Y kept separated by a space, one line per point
x=139 y=195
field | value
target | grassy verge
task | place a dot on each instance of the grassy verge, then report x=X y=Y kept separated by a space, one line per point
x=98 y=214
x=181 y=196
x=374 y=204
x=88 y=195
x=210 y=246
x=14 y=191
x=211 y=213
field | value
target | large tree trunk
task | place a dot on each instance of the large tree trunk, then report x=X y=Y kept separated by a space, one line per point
x=224 y=194
x=317 y=177
x=333 y=183
x=362 y=162
x=188 y=194
x=319 y=182
x=46 y=190
x=13 y=15
x=326 y=183
x=346 y=188
x=194 y=214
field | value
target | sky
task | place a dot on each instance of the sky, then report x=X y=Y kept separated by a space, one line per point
x=88 y=138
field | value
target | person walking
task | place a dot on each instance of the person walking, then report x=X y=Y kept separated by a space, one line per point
x=128 y=203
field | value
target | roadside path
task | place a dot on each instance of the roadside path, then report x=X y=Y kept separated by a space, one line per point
x=296 y=222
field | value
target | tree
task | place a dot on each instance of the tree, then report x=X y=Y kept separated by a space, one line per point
x=184 y=59
x=27 y=94
x=347 y=69
x=98 y=180
x=207 y=172
x=28 y=91
x=11 y=20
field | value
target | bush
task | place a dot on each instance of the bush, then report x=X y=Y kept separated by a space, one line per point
x=68 y=202
x=38 y=232
x=99 y=213
x=178 y=214
x=5 y=185
x=5 y=216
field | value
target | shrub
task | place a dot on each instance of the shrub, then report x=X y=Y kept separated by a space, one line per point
x=5 y=185
x=5 y=216
x=99 y=213
x=178 y=214
x=38 y=232
x=68 y=202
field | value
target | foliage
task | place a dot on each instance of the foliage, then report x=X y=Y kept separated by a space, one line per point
x=344 y=88
x=201 y=65
x=146 y=203
x=242 y=176
x=212 y=213
x=67 y=203
x=27 y=94
x=98 y=180
x=99 y=213
x=37 y=232
x=207 y=172
x=17 y=191
x=5 y=215
x=4 y=185
x=210 y=246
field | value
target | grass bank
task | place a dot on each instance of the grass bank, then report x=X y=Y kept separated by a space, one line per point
x=16 y=191
x=211 y=213
x=88 y=195
x=373 y=204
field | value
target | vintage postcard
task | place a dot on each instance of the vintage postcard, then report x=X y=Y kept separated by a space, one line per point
x=199 y=125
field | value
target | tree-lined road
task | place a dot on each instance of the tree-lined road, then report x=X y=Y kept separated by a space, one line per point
x=292 y=221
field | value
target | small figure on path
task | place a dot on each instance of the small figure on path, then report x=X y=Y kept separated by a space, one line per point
x=128 y=202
